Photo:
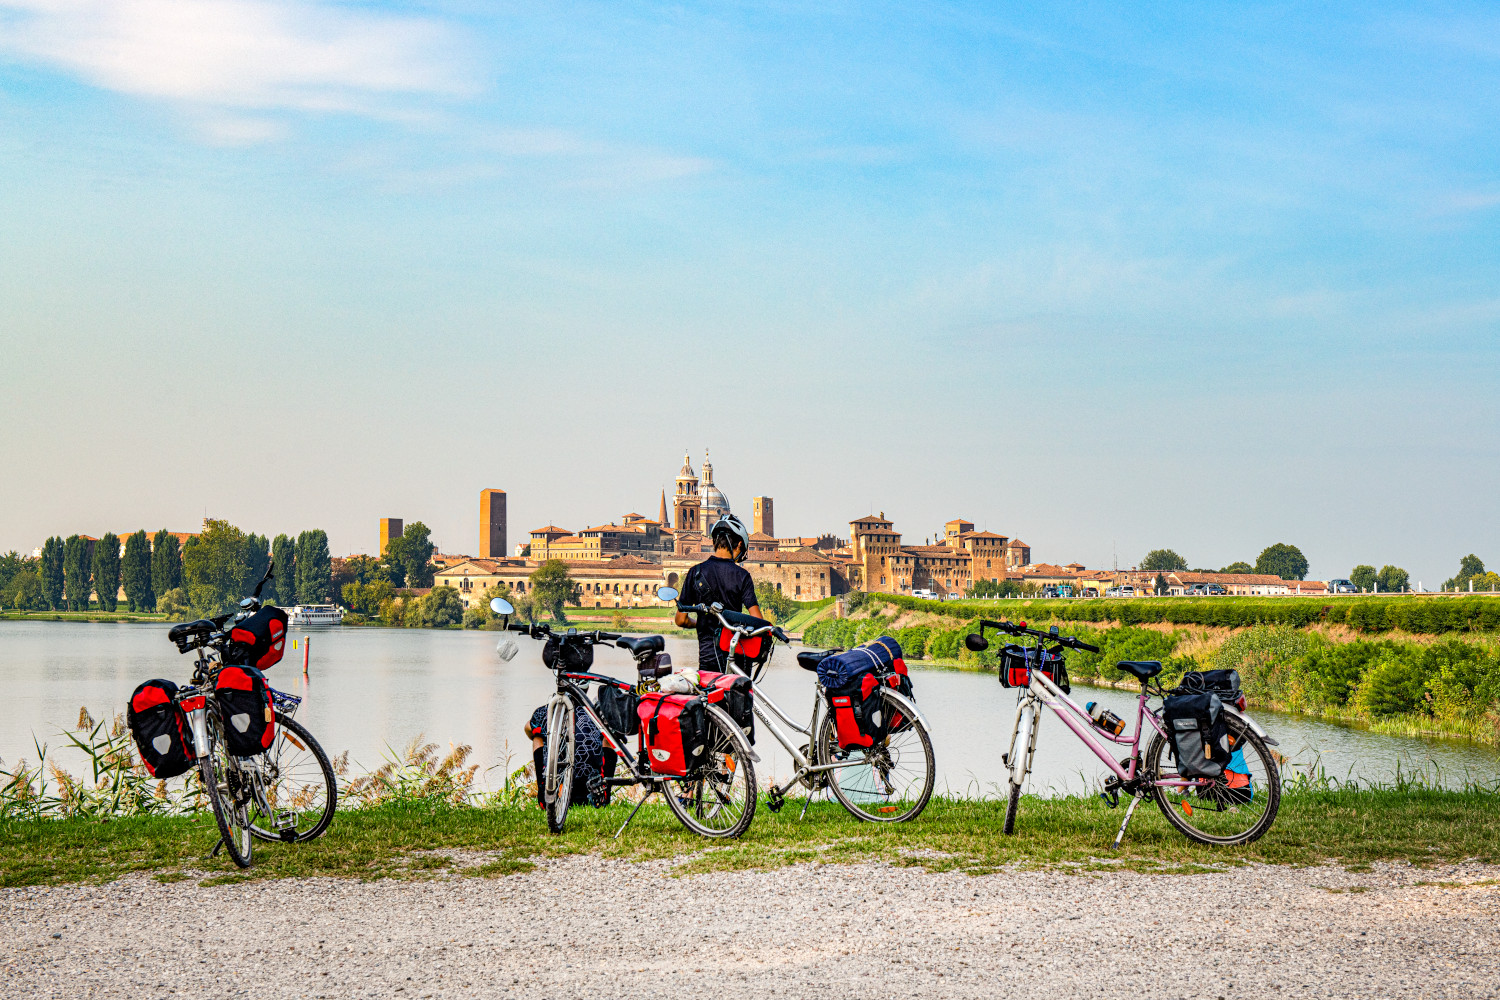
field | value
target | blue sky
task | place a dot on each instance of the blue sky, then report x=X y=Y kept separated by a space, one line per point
x=1103 y=279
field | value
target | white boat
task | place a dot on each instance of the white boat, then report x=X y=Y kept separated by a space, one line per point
x=315 y=616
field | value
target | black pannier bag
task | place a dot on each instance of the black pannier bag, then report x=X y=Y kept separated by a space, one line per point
x=735 y=694
x=160 y=729
x=245 y=709
x=1017 y=662
x=1224 y=683
x=574 y=655
x=617 y=709
x=1198 y=729
x=258 y=641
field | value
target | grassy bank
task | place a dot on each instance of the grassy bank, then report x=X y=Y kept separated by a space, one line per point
x=419 y=840
x=81 y=616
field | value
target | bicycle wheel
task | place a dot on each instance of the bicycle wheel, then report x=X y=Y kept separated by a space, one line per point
x=1219 y=813
x=718 y=800
x=889 y=781
x=228 y=794
x=295 y=791
x=559 y=777
x=1022 y=741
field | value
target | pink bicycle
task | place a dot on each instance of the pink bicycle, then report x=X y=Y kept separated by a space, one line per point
x=1229 y=801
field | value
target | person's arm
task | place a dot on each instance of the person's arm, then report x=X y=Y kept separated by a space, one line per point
x=685 y=620
x=748 y=599
x=688 y=595
x=754 y=609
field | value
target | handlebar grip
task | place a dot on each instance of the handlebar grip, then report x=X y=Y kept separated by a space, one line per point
x=1085 y=646
x=606 y=636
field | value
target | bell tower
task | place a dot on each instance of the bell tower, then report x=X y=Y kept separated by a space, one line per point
x=687 y=505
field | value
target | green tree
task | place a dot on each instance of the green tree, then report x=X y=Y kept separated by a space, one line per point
x=284 y=587
x=314 y=568
x=1163 y=561
x=257 y=558
x=76 y=572
x=1283 y=560
x=1393 y=579
x=551 y=587
x=213 y=567
x=779 y=607
x=440 y=608
x=10 y=564
x=166 y=562
x=993 y=588
x=1238 y=567
x=412 y=555
x=24 y=591
x=52 y=572
x=1393 y=686
x=107 y=571
x=174 y=603
x=136 y=573
x=1364 y=577
x=1159 y=585
x=1469 y=567
x=366 y=598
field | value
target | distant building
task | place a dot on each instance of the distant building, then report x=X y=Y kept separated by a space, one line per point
x=765 y=520
x=879 y=563
x=492 y=524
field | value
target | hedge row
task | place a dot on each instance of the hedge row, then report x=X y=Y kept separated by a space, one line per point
x=1416 y=614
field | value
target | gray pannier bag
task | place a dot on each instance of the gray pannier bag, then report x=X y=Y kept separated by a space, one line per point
x=1198 y=730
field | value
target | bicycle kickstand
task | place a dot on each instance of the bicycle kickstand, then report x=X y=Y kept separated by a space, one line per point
x=217 y=848
x=633 y=812
x=1135 y=800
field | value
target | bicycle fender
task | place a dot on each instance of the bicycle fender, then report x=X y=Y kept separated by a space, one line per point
x=1252 y=724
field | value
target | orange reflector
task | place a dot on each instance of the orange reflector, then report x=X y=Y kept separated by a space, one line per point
x=887 y=809
x=1187 y=807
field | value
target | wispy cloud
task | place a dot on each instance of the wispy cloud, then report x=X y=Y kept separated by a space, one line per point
x=240 y=54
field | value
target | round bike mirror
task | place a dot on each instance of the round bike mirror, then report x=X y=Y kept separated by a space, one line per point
x=665 y=594
x=976 y=643
x=501 y=606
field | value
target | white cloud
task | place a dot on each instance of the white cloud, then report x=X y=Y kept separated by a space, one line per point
x=263 y=54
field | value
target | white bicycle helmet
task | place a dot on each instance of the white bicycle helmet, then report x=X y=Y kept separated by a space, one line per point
x=728 y=531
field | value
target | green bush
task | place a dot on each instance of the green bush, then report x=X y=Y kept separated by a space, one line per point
x=1393 y=686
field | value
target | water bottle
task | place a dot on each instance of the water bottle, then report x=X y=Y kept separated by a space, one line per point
x=1104 y=718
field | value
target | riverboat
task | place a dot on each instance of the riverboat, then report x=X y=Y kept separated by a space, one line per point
x=315 y=616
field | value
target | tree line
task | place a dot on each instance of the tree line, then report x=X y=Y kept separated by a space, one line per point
x=213 y=569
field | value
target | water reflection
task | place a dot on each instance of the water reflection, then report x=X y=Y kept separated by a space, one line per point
x=373 y=689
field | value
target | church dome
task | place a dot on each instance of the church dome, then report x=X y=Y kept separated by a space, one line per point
x=714 y=501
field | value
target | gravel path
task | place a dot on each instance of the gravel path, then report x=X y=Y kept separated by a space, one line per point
x=586 y=927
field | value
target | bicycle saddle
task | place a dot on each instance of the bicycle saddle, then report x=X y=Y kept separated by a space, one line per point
x=189 y=629
x=642 y=645
x=809 y=659
x=1142 y=669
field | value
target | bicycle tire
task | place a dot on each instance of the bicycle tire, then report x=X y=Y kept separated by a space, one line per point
x=291 y=731
x=730 y=755
x=1027 y=720
x=236 y=838
x=1011 y=807
x=559 y=764
x=862 y=788
x=1270 y=779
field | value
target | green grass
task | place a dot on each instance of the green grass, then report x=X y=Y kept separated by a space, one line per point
x=1353 y=827
x=81 y=616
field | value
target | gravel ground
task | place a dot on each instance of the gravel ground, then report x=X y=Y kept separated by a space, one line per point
x=586 y=927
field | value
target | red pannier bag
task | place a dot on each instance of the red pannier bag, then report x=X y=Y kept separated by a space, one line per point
x=734 y=694
x=258 y=641
x=245 y=709
x=861 y=714
x=674 y=732
x=160 y=729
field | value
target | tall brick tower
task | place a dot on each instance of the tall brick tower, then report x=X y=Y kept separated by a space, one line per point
x=492 y=524
x=687 y=504
x=765 y=521
x=390 y=527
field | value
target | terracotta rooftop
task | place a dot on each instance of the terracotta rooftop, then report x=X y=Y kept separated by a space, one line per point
x=783 y=556
x=550 y=529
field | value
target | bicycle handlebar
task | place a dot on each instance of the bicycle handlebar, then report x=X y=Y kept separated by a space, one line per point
x=1014 y=628
x=540 y=630
x=743 y=628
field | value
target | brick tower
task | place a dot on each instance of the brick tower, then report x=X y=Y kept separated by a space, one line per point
x=765 y=521
x=492 y=524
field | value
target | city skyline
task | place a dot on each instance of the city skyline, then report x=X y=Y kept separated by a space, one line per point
x=1105 y=281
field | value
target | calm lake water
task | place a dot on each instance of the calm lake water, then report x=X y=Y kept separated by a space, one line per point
x=373 y=689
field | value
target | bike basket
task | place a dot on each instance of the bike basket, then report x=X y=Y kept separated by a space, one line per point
x=1017 y=663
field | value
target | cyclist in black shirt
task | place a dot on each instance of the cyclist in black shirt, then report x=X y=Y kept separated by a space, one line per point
x=719 y=578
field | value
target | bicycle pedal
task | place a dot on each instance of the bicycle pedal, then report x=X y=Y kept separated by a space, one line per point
x=1111 y=799
x=288 y=836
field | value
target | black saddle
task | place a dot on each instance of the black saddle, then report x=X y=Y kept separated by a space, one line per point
x=189 y=630
x=809 y=659
x=642 y=645
x=1142 y=669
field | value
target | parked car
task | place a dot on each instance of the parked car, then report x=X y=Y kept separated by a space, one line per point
x=926 y=595
x=1216 y=589
x=1342 y=587
x=1090 y=592
x=1127 y=591
x=1197 y=590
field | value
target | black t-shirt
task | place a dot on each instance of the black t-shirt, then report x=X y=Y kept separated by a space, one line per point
x=721 y=580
